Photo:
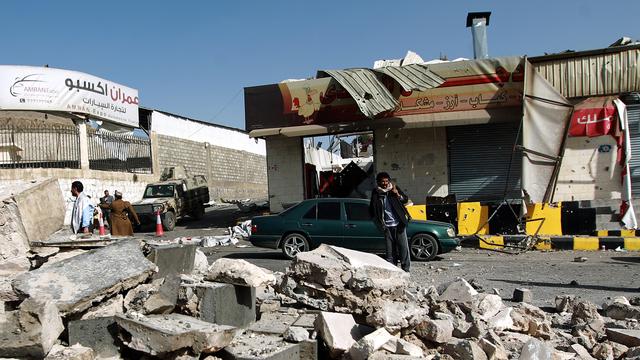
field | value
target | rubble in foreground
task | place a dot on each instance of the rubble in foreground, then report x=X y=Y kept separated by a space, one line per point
x=331 y=303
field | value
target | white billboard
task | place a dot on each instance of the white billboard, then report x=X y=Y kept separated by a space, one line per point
x=48 y=89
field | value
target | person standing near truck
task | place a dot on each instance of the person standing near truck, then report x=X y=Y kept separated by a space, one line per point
x=120 y=211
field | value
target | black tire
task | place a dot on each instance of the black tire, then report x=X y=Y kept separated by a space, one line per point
x=198 y=212
x=423 y=247
x=169 y=221
x=293 y=244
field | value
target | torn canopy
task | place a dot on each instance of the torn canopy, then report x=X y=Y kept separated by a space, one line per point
x=545 y=122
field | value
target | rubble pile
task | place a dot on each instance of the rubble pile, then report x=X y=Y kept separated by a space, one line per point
x=133 y=300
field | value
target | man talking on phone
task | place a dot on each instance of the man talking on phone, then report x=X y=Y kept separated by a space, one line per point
x=391 y=217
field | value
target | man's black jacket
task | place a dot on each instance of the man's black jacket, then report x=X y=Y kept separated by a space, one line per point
x=376 y=207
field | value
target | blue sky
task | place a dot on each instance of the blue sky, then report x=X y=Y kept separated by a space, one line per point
x=193 y=58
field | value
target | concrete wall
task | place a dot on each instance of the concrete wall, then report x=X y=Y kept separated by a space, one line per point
x=285 y=162
x=416 y=159
x=231 y=173
x=94 y=181
x=589 y=170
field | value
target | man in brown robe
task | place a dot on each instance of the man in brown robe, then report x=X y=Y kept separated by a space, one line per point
x=120 y=211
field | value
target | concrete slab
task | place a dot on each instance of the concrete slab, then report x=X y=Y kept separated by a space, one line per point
x=41 y=209
x=172 y=259
x=161 y=334
x=369 y=344
x=75 y=352
x=99 y=334
x=74 y=284
x=307 y=320
x=252 y=346
x=626 y=337
x=225 y=304
x=274 y=323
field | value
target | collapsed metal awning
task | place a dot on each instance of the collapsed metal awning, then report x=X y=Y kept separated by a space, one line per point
x=305 y=130
x=412 y=77
x=371 y=96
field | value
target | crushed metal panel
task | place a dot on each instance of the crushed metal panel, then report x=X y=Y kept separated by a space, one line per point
x=372 y=97
x=595 y=74
x=413 y=77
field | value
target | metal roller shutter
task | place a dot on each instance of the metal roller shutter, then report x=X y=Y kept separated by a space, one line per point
x=633 y=115
x=479 y=159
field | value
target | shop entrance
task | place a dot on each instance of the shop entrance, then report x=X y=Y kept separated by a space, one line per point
x=340 y=165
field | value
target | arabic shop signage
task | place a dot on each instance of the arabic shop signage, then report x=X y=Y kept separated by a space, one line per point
x=48 y=89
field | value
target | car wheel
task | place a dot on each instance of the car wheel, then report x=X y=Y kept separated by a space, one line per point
x=169 y=221
x=423 y=247
x=293 y=244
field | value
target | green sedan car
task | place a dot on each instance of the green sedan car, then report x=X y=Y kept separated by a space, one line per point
x=345 y=223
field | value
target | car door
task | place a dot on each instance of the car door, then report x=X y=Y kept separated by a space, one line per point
x=360 y=233
x=323 y=223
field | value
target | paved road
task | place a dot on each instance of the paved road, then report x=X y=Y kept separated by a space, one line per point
x=547 y=274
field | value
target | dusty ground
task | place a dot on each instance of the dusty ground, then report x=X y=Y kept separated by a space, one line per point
x=547 y=274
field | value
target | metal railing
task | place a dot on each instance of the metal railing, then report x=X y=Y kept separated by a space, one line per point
x=118 y=152
x=37 y=146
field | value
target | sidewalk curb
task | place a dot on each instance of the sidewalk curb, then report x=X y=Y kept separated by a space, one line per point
x=559 y=242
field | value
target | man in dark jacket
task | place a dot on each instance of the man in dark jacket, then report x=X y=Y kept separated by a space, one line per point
x=391 y=217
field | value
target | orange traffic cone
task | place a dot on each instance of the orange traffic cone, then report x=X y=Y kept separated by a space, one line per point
x=101 y=230
x=159 y=231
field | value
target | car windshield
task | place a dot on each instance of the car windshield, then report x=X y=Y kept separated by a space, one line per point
x=156 y=191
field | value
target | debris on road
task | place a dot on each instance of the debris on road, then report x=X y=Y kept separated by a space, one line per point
x=152 y=299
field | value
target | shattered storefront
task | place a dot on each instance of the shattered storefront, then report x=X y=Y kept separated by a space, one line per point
x=439 y=129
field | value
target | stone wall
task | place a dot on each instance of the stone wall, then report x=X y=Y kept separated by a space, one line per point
x=284 y=166
x=231 y=174
x=416 y=159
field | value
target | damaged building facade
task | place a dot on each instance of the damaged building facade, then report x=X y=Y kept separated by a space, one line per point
x=448 y=130
x=113 y=144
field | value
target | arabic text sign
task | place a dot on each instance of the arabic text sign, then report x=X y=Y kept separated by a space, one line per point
x=593 y=117
x=48 y=89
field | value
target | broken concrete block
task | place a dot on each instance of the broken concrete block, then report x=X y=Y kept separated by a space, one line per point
x=621 y=310
x=161 y=334
x=7 y=293
x=535 y=350
x=75 y=352
x=492 y=350
x=584 y=312
x=370 y=343
x=565 y=303
x=296 y=334
x=370 y=271
x=489 y=305
x=74 y=284
x=382 y=355
x=396 y=315
x=403 y=347
x=147 y=299
x=14 y=265
x=605 y=350
x=307 y=320
x=251 y=346
x=239 y=272
x=531 y=320
x=582 y=352
x=626 y=337
x=172 y=259
x=224 y=304
x=63 y=255
x=31 y=330
x=99 y=334
x=458 y=291
x=339 y=331
x=109 y=307
x=275 y=323
x=523 y=295
x=464 y=350
x=439 y=331
x=200 y=262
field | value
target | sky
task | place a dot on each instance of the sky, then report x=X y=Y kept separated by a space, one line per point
x=194 y=58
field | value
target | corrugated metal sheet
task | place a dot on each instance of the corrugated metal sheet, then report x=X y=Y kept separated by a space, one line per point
x=606 y=73
x=633 y=116
x=479 y=159
x=413 y=77
x=369 y=93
